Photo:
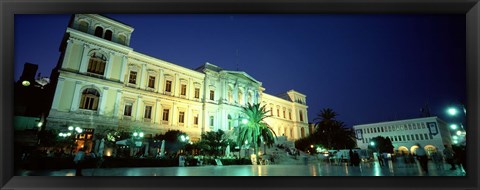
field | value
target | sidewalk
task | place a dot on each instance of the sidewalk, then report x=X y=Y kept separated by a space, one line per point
x=313 y=169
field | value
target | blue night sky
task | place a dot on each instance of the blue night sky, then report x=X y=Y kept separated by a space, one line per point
x=367 y=68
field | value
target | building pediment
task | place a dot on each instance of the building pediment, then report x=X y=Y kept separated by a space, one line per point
x=244 y=76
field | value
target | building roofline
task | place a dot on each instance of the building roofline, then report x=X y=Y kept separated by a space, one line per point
x=397 y=121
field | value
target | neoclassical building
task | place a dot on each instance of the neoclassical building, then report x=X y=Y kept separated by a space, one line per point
x=102 y=82
x=431 y=133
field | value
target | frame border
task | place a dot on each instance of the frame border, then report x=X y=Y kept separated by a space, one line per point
x=9 y=8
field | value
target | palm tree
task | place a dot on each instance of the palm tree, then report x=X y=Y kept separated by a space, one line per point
x=254 y=129
x=332 y=133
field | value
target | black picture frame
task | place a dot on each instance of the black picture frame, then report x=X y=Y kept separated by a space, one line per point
x=8 y=9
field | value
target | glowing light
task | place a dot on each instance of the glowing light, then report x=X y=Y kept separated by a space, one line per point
x=135 y=134
x=244 y=121
x=77 y=128
x=459 y=133
x=80 y=131
x=452 y=111
x=372 y=143
x=141 y=134
x=70 y=128
x=39 y=124
x=455 y=141
x=454 y=126
x=311 y=146
x=26 y=83
x=455 y=137
x=182 y=138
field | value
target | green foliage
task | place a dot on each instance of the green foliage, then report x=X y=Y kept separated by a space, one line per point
x=172 y=139
x=256 y=130
x=330 y=132
x=213 y=143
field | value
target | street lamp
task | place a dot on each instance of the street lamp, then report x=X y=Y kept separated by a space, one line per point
x=453 y=126
x=372 y=143
x=452 y=111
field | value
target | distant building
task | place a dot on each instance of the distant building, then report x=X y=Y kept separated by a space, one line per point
x=430 y=132
x=102 y=82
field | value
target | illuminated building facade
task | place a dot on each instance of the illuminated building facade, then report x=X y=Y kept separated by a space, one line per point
x=430 y=132
x=102 y=82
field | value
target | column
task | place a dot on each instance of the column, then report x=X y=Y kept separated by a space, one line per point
x=138 y=113
x=103 y=100
x=161 y=80
x=124 y=69
x=75 y=100
x=66 y=57
x=109 y=65
x=158 y=111
x=84 y=60
x=58 y=93
x=176 y=84
x=117 y=103
x=143 y=76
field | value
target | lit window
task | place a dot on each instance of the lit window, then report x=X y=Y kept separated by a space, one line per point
x=183 y=91
x=168 y=86
x=165 y=114
x=195 y=120
x=89 y=100
x=96 y=64
x=128 y=109
x=151 y=82
x=132 y=79
x=212 y=95
x=181 y=117
x=148 y=112
x=197 y=93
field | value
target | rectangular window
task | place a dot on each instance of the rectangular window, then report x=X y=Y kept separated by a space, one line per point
x=399 y=138
x=396 y=138
x=168 y=86
x=423 y=125
x=416 y=137
x=181 y=117
x=212 y=95
x=404 y=138
x=412 y=137
x=132 y=79
x=183 y=91
x=148 y=112
x=381 y=129
x=128 y=109
x=426 y=136
x=290 y=115
x=165 y=114
x=278 y=112
x=197 y=93
x=195 y=120
x=271 y=111
x=284 y=115
x=421 y=137
x=408 y=137
x=211 y=121
x=431 y=136
x=301 y=116
x=151 y=82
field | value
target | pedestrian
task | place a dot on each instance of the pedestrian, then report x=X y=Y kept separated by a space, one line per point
x=78 y=161
x=350 y=156
x=356 y=159
x=422 y=158
x=380 y=159
x=449 y=157
x=438 y=160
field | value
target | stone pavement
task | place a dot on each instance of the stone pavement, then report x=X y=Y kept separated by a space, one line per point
x=312 y=169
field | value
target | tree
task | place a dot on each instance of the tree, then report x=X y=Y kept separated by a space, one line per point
x=332 y=133
x=254 y=129
x=213 y=142
x=173 y=143
x=381 y=144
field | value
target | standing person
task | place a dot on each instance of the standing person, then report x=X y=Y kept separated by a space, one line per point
x=449 y=155
x=350 y=155
x=355 y=159
x=380 y=159
x=422 y=158
x=438 y=160
x=78 y=160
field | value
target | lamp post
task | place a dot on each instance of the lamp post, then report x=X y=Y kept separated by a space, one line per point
x=460 y=134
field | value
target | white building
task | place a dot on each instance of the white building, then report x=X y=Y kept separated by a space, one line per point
x=104 y=82
x=430 y=132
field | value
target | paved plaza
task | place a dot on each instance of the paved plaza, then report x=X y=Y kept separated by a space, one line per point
x=313 y=169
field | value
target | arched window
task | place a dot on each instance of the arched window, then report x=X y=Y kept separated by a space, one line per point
x=108 y=35
x=96 y=64
x=122 y=39
x=99 y=31
x=90 y=98
x=83 y=26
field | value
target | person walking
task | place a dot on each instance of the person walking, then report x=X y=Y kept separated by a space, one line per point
x=449 y=155
x=78 y=161
x=422 y=157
